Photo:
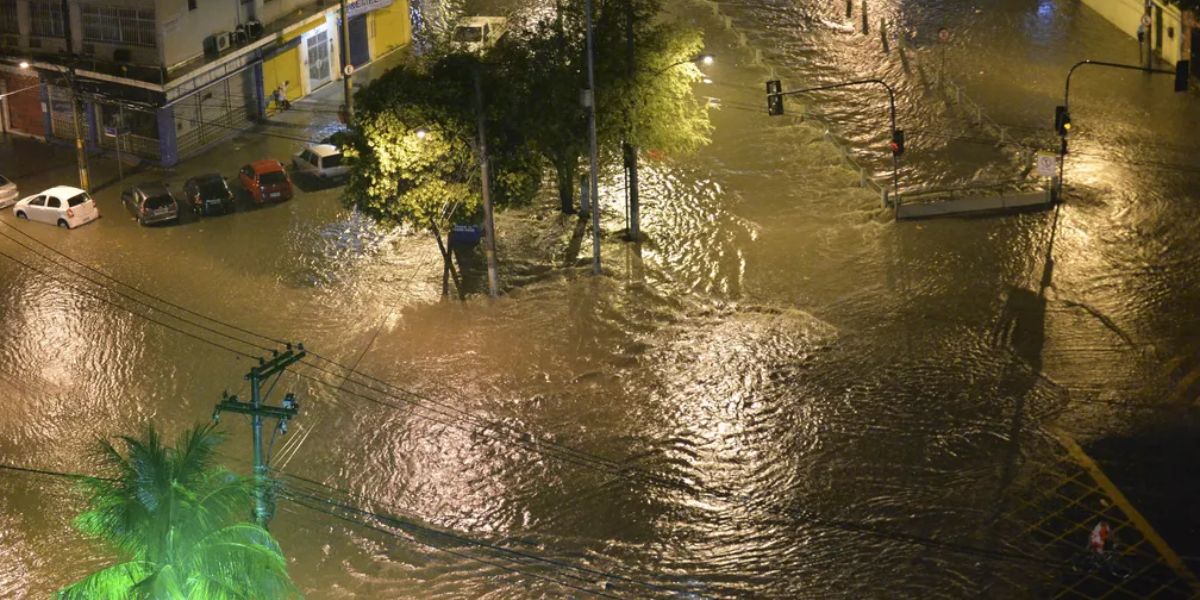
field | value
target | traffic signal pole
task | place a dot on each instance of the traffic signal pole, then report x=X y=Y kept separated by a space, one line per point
x=1181 y=85
x=257 y=410
x=775 y=95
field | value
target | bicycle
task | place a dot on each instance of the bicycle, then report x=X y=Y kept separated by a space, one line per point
x=1106 y=563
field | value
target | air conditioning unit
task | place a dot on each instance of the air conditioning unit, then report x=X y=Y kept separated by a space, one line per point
x=217 y=43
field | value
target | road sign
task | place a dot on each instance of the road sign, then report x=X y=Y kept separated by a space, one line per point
x=348 y=70
x=1047 y=164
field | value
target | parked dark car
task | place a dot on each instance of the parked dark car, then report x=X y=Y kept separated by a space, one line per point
x=208 y=195
x=151 y=203
x=266 y=181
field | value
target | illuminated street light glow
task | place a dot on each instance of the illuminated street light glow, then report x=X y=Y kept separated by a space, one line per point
x=421 y=133
x=23 y=64
x=707 y=80
x=706 y=59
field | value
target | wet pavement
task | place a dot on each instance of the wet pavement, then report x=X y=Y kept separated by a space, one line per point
x=784 y=395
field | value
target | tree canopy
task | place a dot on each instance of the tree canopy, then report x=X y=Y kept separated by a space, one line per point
x=180 y=523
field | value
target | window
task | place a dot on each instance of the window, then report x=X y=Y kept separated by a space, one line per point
x=39 y=201
x=8 y=16
x=117 y=25
x=54 y=203
x=333 y=160
x=46 y=18
x=77 y=199
x=191 y=4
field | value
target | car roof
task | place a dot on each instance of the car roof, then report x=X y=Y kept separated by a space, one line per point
x=206 y=177
x=61 y=191
x=266 y=165
x=324 y=150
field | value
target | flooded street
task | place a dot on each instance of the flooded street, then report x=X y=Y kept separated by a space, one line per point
x=785 y=394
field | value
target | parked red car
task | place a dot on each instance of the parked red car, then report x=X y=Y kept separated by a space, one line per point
x=266 y=181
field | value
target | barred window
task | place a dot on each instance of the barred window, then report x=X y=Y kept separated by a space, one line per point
x=115 y=25
x=46 y=18
x=8 y=16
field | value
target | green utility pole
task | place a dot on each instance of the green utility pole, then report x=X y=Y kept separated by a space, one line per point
x=257 y=410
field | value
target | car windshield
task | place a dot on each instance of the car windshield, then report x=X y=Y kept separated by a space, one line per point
x=212 y=188
x=333 y=160
x=272 y=178
x=157 y=202
x=468 y=34
x=78 y=199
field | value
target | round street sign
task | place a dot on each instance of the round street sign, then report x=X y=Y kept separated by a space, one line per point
x=348 y=70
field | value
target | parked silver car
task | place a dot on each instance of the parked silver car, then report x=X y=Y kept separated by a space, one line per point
x=151 y=203
x=321 y=160
x=8 y=192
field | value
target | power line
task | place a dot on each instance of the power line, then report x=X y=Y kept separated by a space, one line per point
x=457 y=553
x=517 y=554
x=385 y=518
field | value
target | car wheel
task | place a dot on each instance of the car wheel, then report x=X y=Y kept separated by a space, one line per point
x=21 y=215
x=64 y=224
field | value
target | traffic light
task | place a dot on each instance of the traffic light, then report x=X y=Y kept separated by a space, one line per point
x=897 y=142
x=774 y=98
x=1181 y=76
x=1062 y=120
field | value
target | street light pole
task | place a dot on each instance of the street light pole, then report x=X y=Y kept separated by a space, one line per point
x=594 y=169
x=489 y=225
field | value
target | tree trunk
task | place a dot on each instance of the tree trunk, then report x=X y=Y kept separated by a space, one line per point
x=448 y=270
x=565 y=173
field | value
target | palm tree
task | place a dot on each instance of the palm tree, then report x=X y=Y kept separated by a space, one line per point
x=182 y=522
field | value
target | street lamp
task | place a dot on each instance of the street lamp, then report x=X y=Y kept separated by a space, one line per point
x=80 y=150
x=421 y=133
x=631 y=152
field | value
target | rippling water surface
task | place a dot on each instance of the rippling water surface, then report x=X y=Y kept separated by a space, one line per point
x=764 y=401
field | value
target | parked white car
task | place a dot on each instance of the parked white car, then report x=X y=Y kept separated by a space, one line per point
x=320 y=160
x=8 y=192
x=65 y=206
x=476 y=34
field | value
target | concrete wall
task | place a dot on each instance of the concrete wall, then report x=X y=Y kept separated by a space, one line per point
x=182 y=31
x=1127 y=14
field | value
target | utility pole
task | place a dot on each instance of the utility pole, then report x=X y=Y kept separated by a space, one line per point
x=595 y=170
x=348 y=66
x=630 y=146
x=85 y=182
x=257 y=410
x=489 y=226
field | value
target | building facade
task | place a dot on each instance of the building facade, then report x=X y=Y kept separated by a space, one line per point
x=166 y=79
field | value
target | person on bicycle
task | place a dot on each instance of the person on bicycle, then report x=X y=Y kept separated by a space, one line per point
x=1100 y=538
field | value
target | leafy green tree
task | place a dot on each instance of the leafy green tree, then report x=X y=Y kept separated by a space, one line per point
x=180 y=521
x=649 y=103
x=413 y=153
